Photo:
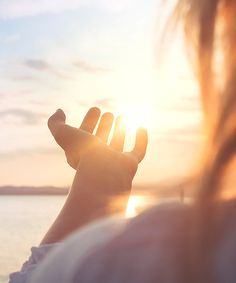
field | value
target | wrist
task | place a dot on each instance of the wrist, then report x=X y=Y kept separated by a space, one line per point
x=109 y=194
x=98 y=171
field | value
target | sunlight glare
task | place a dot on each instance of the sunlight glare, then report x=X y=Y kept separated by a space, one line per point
x=131 y=210
x=136 y=116
x=137 y=204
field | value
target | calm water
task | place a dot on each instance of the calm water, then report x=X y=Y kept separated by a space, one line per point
x=23 y=222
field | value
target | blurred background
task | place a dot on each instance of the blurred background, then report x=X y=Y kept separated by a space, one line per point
x=79 y=53
x=74 y=54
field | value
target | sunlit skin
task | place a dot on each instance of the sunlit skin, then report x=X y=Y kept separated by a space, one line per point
x=75 y=141
x=103 y=171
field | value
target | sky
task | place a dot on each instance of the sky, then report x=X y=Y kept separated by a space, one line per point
x=74 y=54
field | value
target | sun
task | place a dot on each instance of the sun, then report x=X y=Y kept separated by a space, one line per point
x=136 y=116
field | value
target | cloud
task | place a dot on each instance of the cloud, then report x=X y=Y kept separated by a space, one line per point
x=189 y=103
x=24 y=8
x=2 y=95
x=10 y=9
x=43 y=66
x=103 y=103
x=86 y=67
x=27 y=117
x=106 y=102
x=39 y=65
x=188 y=133
x=24 y=78
x=30 y=151
x=190 y=130
x=10 y=39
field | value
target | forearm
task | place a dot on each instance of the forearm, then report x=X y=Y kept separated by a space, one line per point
x=88 y=201
x=104 y=174
x=74 y=214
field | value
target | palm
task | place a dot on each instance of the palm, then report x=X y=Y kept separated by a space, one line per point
x=77 y=141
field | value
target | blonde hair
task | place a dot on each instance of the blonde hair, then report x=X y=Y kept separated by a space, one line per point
x=210 y=32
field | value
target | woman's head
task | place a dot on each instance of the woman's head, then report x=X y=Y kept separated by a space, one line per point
x=210 y=32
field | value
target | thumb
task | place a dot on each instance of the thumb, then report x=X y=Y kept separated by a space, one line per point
x=56 y=120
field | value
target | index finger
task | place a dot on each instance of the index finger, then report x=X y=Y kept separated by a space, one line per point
x=90 y=120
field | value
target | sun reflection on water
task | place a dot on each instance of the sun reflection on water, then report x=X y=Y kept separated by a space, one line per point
x=137 y=204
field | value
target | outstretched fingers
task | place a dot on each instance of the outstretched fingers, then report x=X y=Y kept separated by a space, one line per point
x=118 y=138
x=141 y=143
x=105 y=126
x=90 y=120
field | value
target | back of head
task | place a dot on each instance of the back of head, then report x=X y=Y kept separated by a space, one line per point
x=210 y=32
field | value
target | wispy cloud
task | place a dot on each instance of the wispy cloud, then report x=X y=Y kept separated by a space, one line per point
x=188 y=133
x=15 y=9
x=87 y=67
x=24 y=8
x=44 y=66
x=189 y=103
x=24 y=78
x=2 y=95
x=39 y=65
x=10 y=38
x=103 y=103
x=190 y=130
x=30 y=151
x=26 y=116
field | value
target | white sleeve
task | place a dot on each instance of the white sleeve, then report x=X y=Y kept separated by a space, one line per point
x=63 y=262
x=37 y=255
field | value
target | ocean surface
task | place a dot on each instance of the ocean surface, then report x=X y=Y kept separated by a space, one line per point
x=23 y=222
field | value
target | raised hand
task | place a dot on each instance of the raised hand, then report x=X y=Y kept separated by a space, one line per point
x=104 y=173
x=77 y=141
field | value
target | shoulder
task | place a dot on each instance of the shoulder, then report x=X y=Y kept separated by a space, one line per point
x=148 y=248
x=149 y=245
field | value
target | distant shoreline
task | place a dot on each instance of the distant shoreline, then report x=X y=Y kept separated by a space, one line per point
x=21 y=190
x=156 y=190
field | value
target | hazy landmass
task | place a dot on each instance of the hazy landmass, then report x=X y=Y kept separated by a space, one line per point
x=48 y=190
x=157 y=190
